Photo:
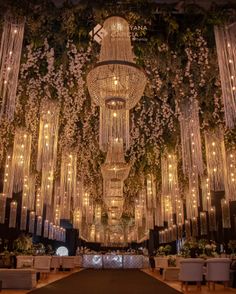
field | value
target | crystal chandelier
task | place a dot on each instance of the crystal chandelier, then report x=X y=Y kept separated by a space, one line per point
x=115 y=166
x=116 y=83
x=10 y=55
x=225 y=37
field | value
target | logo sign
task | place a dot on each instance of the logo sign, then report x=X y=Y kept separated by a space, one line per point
x=137 y=33
x=98 y=33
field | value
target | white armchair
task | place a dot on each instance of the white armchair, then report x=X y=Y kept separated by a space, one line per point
x=24 y=261
x=161 y=262
x=217 y=270
x=68 y=262
x=56 y=262
x=191 y=270
x=42 y=264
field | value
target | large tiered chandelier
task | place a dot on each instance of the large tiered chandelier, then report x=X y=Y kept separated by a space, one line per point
x=116 y=83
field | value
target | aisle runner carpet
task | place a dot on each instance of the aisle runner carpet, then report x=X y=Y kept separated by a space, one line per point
x=107 y=282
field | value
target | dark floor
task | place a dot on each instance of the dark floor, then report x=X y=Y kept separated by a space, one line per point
x=107 y=281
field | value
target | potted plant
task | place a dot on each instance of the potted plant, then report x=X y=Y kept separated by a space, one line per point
x=161 y=251
x=232 y=246
x=167 y=249
x=23 y=245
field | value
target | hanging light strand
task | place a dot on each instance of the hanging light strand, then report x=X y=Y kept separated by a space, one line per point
x=216 y=159
x=10 y=55
x=191 y=138
x=20 y=167
x=68 y=182
x=225 y=37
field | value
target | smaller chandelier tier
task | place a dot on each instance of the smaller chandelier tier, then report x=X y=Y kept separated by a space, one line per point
x=114 y=201
x=116 y=77
x=114 y=124
x=115 y=166
x=113 y=81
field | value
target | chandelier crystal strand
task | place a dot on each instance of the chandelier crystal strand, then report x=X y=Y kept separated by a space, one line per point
x=180 y=212
x=10 y=55
x=226 y=224
x=180 y=231
x=194 y=195
x=20 y=159
x=203 y=223
x=187 y=228
x=3 y=200
x=31 y=222
x=151 y=191
x=212 y=219
x=138 y=215
x=206 y=194
x=114 y=123
x=194 y=224
x=77 y=219
x=56 y=205
x=47 y=148
x=47 y=184
x=24 y=204
x=98 y=214
x=68 y=182
x=13 y=213
x=39 y=203
x=39 y=225
x=158 y=213
x=231 y=175
x=23 y=218
x=170 y=187
x=78 y=197
x=191 y=138
x=225 y=37
x=25 y=193
x=115 y=166
x=8 y=177
x=216 y=159
x=48 y=135
x=31 y=191
x=46 y=228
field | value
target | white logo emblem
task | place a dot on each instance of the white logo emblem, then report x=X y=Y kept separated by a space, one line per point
x=98 y=33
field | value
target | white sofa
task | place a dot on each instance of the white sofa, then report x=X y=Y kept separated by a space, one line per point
x=18 y=278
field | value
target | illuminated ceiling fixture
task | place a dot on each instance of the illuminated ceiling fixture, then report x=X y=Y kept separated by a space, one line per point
x=225 y=37
x=10 y=55
x=115 y=166
x=116 y=83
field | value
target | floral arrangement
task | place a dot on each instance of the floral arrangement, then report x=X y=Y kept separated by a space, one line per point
x=164 y=250
x=232 y=246
x=201 y=248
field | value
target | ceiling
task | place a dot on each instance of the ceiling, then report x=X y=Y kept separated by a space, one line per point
x=203 y=3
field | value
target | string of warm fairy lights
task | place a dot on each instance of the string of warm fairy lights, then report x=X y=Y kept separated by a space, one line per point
x=10 y=56
x=225 y=44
